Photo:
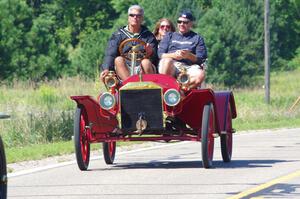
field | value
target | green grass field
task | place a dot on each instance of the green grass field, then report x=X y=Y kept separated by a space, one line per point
x=254 y=113
x=41 y=123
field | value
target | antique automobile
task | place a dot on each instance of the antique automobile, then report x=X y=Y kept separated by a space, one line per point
x=3 y=172
x=152 y=107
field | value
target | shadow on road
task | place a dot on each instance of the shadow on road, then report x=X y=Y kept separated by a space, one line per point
x=249 y=163
x=194 y=164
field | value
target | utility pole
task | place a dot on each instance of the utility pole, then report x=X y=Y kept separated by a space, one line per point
x=267 y=52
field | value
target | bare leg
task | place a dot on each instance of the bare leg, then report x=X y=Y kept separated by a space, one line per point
x=121 y=68
x=196 y=78
x=166 y=66
x=147 y=66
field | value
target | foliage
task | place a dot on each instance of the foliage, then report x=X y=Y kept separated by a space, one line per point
x=285 y=31
x=40 y=113
x=295 y=62
x=234 y=37
x=15 y=19
x=89 y=53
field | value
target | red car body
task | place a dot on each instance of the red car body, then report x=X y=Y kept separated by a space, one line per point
x=202 y=115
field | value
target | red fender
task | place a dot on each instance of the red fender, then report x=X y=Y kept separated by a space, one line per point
x=101 y=121
x=192 y=108
x=222 y=99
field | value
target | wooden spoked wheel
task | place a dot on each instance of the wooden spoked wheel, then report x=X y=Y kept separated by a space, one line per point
x=207 y=139
x=81 y=141
x=109 y=151
x=226 y=139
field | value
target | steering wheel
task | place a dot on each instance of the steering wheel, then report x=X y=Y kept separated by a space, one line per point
x=135 y=47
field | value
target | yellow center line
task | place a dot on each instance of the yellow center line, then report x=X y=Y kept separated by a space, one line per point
x=266 y=185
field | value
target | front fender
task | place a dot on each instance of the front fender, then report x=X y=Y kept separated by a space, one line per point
x=100 y=121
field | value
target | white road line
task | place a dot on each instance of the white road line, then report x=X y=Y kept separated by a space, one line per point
x=38 y=169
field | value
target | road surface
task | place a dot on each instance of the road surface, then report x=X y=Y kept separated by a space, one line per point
x=265 y=164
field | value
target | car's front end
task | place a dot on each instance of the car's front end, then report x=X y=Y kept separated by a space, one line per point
x=142 y=105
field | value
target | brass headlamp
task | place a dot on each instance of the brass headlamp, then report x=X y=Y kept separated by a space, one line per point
x=111 y=80
x=183 y=78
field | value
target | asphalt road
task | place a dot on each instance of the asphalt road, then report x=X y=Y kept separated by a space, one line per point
x=265 y=164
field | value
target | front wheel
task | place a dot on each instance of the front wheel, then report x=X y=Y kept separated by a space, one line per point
x=109 y=151
x=207 y=139
x=226 y=139
x=3 y=171
x=81 y=133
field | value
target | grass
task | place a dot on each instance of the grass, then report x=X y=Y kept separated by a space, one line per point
x=41 y=123
x=38 y=151
x=254 y=113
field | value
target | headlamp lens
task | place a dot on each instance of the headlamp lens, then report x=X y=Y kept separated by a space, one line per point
x=172 y=97
x=107 y=101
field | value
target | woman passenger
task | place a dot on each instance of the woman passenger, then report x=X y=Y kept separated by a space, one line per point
x=161 y=27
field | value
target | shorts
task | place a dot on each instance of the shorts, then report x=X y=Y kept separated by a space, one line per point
x=179 y=65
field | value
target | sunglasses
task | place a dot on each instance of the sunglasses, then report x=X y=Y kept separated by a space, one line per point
x=135 y=15
x=184 y=22
x=165 y=26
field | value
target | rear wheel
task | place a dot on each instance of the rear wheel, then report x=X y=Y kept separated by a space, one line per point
x=207 y=139
x=109 y=151
x=81 y=133
x=226 y=139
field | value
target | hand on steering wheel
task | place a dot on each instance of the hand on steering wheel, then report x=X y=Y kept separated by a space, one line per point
x=135 y=47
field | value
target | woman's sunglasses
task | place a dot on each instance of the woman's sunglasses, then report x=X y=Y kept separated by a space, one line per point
x=165 y=26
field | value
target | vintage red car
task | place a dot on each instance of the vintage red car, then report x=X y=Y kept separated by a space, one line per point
x=153 y=107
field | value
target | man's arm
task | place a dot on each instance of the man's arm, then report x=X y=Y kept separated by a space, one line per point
x=111 y=52
x=201 y=52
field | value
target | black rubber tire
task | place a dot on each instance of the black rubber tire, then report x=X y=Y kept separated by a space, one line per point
x=207 y=140
x=226 y=140
x=82 y=146
x=109 y=152
x=3 y=172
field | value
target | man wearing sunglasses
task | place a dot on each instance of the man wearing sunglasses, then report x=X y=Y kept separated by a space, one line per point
x=114 y=62
x=183 y=49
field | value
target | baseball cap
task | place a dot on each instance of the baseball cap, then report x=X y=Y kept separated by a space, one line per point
x=187 y=14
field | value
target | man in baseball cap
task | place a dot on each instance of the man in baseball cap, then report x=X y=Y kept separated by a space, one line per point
x=183 y=49
x=186 y=14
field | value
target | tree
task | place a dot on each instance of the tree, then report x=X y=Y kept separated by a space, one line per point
x=285 y=31
x=233 y=35
x=15 y=21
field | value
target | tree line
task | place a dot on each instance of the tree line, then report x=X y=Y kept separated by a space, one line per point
x=53 y=38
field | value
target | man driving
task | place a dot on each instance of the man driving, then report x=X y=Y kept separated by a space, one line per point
x=113 y=61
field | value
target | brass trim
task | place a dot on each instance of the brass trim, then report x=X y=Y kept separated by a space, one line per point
x=140 y=85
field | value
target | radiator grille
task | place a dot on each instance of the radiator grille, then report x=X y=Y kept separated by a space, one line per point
x=144 y=101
